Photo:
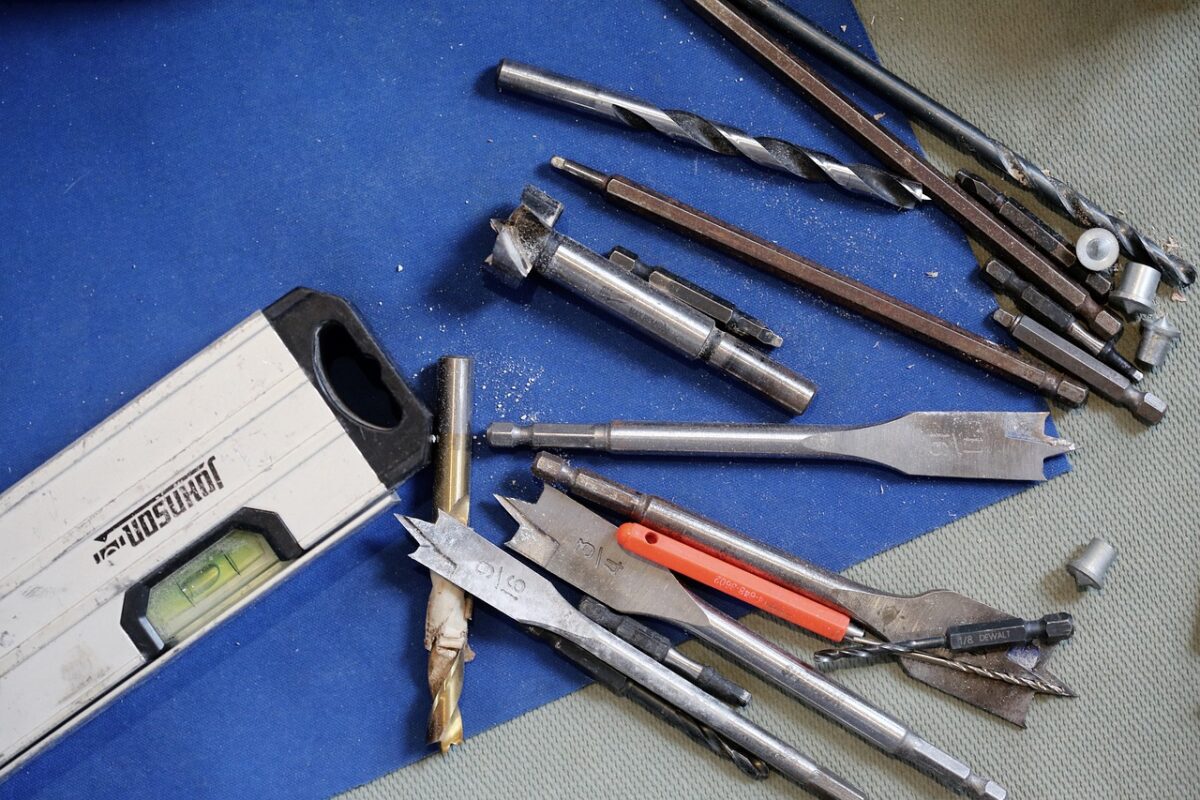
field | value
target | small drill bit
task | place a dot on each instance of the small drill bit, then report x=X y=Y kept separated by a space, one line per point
x=728 y=316
x=776 y=154
x=1059 y=196
x=993 y=634
x=449 y=608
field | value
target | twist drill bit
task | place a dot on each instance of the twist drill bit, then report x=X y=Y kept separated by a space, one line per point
x=1056 y=194
x=683 y=126
x=449 y=608
x=1029 y=682
x=898 y=156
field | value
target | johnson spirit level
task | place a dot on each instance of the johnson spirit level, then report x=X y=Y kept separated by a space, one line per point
x=216 y=484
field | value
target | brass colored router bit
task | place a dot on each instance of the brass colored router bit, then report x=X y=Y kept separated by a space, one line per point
x=449 y=607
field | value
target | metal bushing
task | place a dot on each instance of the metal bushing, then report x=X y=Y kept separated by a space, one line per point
x=1135 y=292
x=1159 y=335
x=1090 y=567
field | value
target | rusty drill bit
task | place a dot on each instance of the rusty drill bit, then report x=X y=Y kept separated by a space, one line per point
x=901 y=158
x=684 y=126
x=837 y=288
x=1056 y=194
x=449 y=608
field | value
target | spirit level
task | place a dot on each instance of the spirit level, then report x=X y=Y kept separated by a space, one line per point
x=214 y=485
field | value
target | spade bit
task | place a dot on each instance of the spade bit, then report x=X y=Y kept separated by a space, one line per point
x=893 y=617
x=484 y=571
x=581 y=547
x=1001 y=445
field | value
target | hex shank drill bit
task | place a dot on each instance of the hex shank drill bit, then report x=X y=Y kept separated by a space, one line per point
x=527 y=242
x=995 y=445
x=1056 y=194
x=449 y=608
x=1043 y=237
x=897 y=156
x=1050 y=313
x=683 y=126
x=482 y=569
x=833 y=286
x=1105 y=380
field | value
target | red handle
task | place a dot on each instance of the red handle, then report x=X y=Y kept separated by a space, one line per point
x=733 y=581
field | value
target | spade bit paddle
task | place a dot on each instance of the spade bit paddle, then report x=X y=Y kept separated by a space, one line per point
x=581 y=547
x=893 y=617
x=1002 y=445
x=484 y=571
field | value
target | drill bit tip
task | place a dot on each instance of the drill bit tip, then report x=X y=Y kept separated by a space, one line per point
x=592 y=177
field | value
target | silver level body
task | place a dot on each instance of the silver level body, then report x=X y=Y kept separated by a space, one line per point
x=205 y=491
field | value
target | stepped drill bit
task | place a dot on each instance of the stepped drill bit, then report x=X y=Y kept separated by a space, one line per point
x=449 y=608
x=683 y=126
x=1057 y=195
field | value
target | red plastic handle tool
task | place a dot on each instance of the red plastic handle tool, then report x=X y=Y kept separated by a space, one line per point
x=733 y=581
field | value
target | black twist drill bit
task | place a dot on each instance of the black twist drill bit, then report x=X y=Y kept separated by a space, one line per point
x=1052 y=629
x=777 y=154
x=1056 y=194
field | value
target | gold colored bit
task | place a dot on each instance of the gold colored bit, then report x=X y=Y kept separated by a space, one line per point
x=449 y=607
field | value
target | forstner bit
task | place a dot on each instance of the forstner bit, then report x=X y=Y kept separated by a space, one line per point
x=1105 y=380
x=1050 y=313
x=527 y=242
x=898 y=156
x=683 y=126
x=1056 y=194
x=833 y=286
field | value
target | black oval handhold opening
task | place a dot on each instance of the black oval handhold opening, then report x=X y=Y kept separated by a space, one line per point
x=353 y=380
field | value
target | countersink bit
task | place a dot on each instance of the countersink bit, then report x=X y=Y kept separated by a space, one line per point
x=1159 y=335
x=1050 y=313
x=1045 y=238
x=894 y=154
x=1105 y=380
x=995 y=445
x=1056 y=194
x=833 y=286
x=449 y=608
x=683 y=126
x=727 y=315
x=527 y=242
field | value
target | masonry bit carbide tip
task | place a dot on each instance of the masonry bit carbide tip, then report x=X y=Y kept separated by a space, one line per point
x=684 y=126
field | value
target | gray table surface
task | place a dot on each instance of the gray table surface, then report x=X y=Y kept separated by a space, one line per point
x=1106 y=95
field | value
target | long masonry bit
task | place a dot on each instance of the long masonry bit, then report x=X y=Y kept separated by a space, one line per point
x=449 y=609
x=581 y=547
x=684 y=126
x=997 y=445
x=1056 y=194
x=890 y=616
x=463 y=557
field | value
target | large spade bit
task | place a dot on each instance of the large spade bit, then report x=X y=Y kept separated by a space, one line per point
x=890 y=616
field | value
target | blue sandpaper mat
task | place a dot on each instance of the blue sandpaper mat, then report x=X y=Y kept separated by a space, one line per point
x=168 y=168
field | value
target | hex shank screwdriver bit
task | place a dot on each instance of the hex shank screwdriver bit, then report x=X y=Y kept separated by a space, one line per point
x=1056 y=194
x=833 y=286
x=683 y=126
x=894 y=154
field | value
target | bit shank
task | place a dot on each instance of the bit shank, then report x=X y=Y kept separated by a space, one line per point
x=1106 y=381
x=1051 y=314
x=1029 y=225
x=449 y=609
x=527 y=241
x=835 y=287
x=1056 y=194
x=480 y=568
x=581 y=548
x=997 y=445
x=683 y=126
x=898 y=156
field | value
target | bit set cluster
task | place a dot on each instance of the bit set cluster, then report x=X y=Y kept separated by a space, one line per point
x=631 y=552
